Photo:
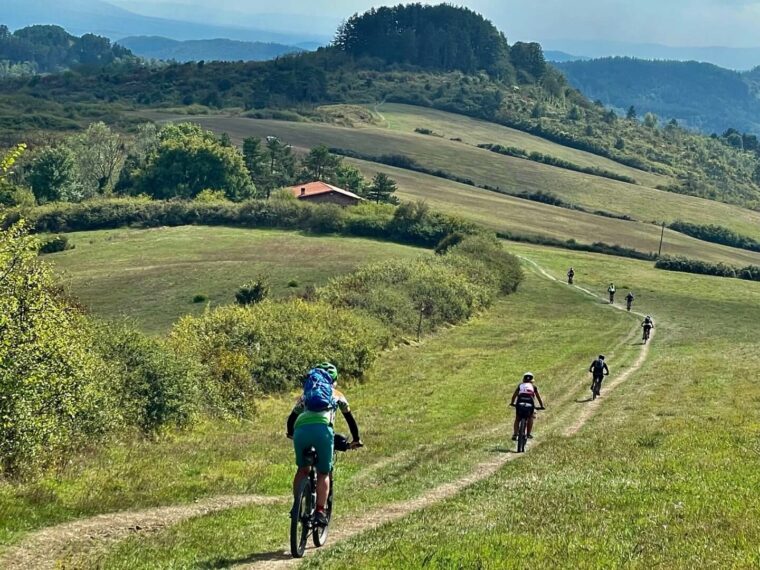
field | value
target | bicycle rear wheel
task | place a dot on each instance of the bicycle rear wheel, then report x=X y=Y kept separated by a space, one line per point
x=300 y=519
x=319 y=535
x=522 y=435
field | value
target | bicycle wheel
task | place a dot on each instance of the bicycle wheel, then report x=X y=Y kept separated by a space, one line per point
x=320 y=533
x=595 y=389
x=522 y=435
x=300 y=519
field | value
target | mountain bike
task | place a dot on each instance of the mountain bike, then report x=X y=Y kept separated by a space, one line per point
x=647 y=332
x=596 y=387
x=522 y=432
x=570 y=279
x=302 y=515
x=612 y=298
x=628 y=303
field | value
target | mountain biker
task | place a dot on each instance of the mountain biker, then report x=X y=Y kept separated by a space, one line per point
x=599 y=370
x=629 y=300
x=647 y=325
x=524 y=400
x=611 y=290
x=570 y=275
x=309 y=428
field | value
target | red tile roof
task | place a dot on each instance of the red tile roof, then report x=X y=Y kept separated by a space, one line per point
x=317 y=188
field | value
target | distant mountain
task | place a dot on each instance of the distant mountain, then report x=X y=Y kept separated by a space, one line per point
x=98 y=17
x=698 y=95
x=155 y=47
x=741 y=59
x=562 y=57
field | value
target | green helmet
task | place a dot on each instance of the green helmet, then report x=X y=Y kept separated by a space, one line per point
x=330 y=369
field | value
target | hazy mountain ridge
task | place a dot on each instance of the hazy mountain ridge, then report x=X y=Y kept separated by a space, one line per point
x=220 y=49
x=699 y=95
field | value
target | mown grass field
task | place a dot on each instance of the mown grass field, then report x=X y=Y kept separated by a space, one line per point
x=151 y=276
x=511 y=175
x=407 y=118
x=519 y=216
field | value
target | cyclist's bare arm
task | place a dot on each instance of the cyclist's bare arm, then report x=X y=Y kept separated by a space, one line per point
x=514 y=396
x=538 y=397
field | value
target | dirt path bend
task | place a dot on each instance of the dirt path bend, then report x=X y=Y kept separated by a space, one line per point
x=45 y=548
x=484 y=470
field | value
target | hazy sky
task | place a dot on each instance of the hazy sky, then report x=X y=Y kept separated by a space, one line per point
x=732 y=23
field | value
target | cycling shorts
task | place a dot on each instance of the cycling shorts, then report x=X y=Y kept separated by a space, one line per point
x=319 y=436
x=525 y=408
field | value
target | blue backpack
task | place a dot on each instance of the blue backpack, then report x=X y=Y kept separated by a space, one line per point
x=318 y=391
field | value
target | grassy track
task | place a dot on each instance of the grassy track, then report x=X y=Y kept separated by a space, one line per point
x=151 y=276
x=505 y=213
x=512 y=175
x=415 y=423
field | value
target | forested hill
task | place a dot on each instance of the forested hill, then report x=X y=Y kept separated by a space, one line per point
x=50 y=48
x=386 y=55
x=699 y=95
x=156 y=47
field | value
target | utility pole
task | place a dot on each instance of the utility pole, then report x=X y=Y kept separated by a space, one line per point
x=662 y=236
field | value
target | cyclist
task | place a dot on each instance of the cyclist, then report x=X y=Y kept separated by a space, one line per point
x=309 y=428
x=599 y=370
x=570 y=275
x=647 y=325
x=611 y=290
x=524 y=400
x=629 y=300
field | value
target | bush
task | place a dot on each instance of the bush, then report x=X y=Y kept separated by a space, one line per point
x=292 y=283
x=156 y=388
x=56 y=392
x=55 y=244
x=684 y=264
x=200 y=299
x=448 y=242
x=253 y=292
x=244 y=352
x=716 y=234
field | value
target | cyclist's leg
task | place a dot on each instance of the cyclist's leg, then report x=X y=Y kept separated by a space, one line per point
x=517 y=423
x=324 y=441
x=300 y=442
x=531 y=417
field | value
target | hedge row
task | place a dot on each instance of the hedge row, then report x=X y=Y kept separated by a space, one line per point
x=716 y=234
x=596 y=247
x=686 y=265
x=413 y=224
x=554 y=161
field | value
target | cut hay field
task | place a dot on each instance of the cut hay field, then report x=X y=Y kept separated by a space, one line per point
x=511 y=175
x=151 y=276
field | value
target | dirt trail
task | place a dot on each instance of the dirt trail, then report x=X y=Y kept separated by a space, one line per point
x=45 y=548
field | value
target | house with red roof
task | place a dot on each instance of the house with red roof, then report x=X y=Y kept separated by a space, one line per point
x=323 y=193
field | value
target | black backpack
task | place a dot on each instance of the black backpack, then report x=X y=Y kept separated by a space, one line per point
x=598 y=366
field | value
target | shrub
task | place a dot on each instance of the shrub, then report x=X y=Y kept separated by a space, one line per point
x=246 y=351
x=292 y=283
x=200 y=299
x=698 y=266
x=716 y=234
x=56 y=394
x=448 y=242
x=254 y=292
x=156 y=388
x=55 y=244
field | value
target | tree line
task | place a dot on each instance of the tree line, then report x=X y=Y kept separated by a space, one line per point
x=181 y=161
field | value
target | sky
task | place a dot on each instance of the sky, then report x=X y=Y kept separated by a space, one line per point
x=731 y=23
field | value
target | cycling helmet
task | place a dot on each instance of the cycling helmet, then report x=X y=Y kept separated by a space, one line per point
x=601 y=357
x=528 y=376
x=330 y=369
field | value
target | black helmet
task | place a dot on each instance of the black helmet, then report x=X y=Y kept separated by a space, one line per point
x=601 y=357
x=341 y=442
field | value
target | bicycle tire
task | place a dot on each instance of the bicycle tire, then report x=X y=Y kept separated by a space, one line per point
x=522 y=436
x=319 y=536
x=299 y=519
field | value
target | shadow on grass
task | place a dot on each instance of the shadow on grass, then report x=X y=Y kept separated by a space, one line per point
x=501 y=449
x=585 y=401
x=274 y=556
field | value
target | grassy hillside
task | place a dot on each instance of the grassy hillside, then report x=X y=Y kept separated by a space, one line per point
x=524 y=217
x=151 y=276
x=511 y=175
x=659 y=461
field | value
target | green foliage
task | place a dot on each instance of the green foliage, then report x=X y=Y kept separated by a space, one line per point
x=200 y=298
x=319 y=164
x=50 y=48
x=100 y=154
x=56 y=244
x=55 y=389
x=53 y=176
x=244 y=352
x=382 y=189
x=254 y=292
x=686 y=265
x=448 y=242
x=440 y=37
x=716 y=234
x=189 y=160
x=209 y=196
x=156 y=388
